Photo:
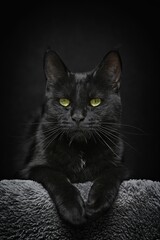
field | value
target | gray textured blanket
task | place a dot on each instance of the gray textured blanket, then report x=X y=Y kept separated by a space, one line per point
x=27 y=212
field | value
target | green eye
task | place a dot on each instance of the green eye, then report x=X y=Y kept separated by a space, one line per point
x=95 y=102
x=64 y=102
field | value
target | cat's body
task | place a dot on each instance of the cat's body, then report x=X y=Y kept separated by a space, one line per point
x=77 y=137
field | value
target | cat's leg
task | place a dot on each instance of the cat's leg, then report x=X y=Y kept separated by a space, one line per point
x=66 y=197
x=104 y=191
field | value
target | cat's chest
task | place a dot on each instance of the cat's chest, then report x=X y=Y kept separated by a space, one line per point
x=78 y=163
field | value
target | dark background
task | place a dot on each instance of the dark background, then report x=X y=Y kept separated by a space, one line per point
x=82 y=35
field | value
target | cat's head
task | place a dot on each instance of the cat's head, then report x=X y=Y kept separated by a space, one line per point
x=80 y=104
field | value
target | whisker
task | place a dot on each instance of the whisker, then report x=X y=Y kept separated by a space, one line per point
x=26 y=139
x=106 y=143
x=124 y=125
x=92 y=136
x=113 y=130
x=38 y=123
x=117 y=137
x=63 y=132
x=105 y=135
x=49 y=142
x=50 y=133
x=47 y=137
x=50 y=129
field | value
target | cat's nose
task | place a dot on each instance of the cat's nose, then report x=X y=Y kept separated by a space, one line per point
x=78 y=117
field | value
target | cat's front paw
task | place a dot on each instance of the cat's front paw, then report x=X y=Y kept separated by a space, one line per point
x=72 y=209
x=99 y=200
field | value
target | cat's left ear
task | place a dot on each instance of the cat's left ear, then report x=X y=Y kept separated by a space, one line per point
x=54 y=67
x=110 y=69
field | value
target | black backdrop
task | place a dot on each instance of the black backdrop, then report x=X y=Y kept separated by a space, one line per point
x=82 y=35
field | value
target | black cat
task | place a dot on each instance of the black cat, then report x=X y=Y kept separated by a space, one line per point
x=77 y=137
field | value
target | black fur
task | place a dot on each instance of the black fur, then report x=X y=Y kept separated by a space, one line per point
x=80 y=142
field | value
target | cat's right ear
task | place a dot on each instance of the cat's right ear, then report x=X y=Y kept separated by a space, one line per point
x=54 y=67
x=110 y=69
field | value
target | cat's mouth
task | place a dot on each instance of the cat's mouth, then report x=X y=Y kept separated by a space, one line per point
x=78 y=132
x=78 y=135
